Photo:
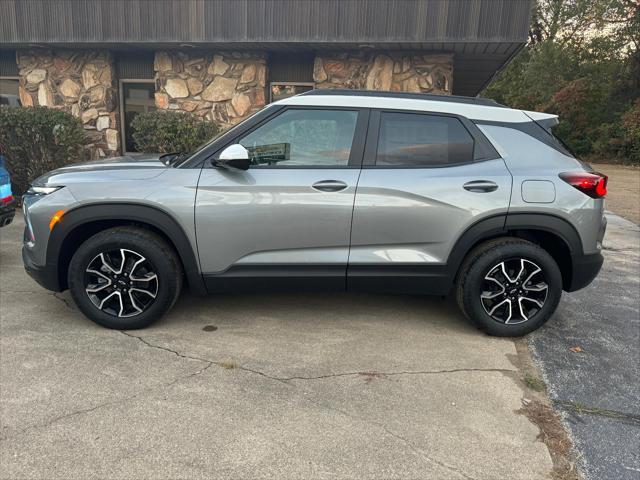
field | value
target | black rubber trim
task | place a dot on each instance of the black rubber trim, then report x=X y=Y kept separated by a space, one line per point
x=277 y=278
x=483 y=229
x=46 y=276
x=413 y=279
x=585 y=269
x=162 y=221
x=548 y=223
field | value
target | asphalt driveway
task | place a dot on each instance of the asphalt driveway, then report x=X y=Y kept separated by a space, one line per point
x=590 y=356
x=257 y=386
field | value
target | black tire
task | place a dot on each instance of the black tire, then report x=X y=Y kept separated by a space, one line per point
x=486 y=260
x=159 y=259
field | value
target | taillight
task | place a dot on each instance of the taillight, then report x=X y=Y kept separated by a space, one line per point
x=590 y=183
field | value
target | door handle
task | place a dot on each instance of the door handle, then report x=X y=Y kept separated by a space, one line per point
x=480 y=186
x=329 y=186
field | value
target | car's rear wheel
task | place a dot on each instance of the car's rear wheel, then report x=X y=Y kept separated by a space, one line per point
x=509 y=287
x=125 y=278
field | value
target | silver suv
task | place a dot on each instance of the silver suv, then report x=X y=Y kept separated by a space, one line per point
x=331 y=190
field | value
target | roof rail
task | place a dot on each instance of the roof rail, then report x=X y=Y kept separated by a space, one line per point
x=415 y=96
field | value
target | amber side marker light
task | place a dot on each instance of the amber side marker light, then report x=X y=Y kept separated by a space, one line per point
x=55 y=219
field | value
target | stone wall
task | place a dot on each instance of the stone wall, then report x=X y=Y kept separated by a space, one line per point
x=80 y=82
x=223 y=86
x=395 y=71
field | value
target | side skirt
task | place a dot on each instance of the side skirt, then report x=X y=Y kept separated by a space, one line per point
x=406 y=279
x=402 y=279
x=277 y=278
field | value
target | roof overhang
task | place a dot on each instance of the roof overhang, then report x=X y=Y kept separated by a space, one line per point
x=483 y=35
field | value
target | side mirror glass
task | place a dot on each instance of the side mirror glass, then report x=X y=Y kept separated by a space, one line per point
x=234 y=157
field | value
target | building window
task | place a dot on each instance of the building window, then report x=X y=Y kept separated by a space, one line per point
x=280 y=90
x=137 y=96
x=9 y=94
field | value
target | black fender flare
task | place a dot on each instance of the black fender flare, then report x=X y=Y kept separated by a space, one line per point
x=497 y=225
x=157 y=218
x=548 y=223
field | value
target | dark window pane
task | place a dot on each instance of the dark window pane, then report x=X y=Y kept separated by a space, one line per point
x=303 y=138
x=137 y=98
x=408 y=139
x=9 y=92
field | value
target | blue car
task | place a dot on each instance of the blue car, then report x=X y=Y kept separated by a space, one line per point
x=7 y=202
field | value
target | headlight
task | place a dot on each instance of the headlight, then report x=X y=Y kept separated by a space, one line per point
x=41 y=190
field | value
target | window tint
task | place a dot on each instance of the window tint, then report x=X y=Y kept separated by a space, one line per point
x=303 y=138
x=408 y=139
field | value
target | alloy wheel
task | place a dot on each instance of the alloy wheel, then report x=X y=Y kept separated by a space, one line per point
x=513 y=291
x=121 y=283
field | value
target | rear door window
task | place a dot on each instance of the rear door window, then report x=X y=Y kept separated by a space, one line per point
x=419 y=140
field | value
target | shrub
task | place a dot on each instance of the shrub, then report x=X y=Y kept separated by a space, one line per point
x=166 y=132
x=36 y=140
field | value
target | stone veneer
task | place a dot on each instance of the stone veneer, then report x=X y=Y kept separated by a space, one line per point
x=224 y=87
x=395 y=71
x=79 y=82
x=221 y=86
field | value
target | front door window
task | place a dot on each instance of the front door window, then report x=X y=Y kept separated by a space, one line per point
x=303 y=138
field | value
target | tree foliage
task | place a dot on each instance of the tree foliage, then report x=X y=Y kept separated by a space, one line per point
x=582 y=62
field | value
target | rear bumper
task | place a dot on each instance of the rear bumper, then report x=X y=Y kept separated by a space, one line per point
x=46 y=276
x=585 y=269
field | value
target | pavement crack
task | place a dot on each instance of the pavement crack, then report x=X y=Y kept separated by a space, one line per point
x=363 y=373
x=374 y=373
x=63 y=300
x=166 y=349
x=417 y=450
x=576 y=407
x=118 y=401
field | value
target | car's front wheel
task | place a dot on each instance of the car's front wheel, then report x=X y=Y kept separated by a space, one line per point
x=125 y=277
x=509 y=287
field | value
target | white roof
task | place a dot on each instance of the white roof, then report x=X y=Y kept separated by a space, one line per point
x=469 y=110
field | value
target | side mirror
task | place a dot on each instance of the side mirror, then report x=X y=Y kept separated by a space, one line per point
x=234 y=157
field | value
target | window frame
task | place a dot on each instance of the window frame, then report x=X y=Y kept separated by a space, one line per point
x=483 y=150
x=293 y=84
x=121 y=82
x=357 y=145
x=13 y=77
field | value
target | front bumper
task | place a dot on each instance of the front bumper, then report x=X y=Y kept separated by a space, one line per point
x=46 y=276
x=585 y=269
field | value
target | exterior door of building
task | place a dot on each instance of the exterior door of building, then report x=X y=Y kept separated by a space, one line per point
x=137 y=97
